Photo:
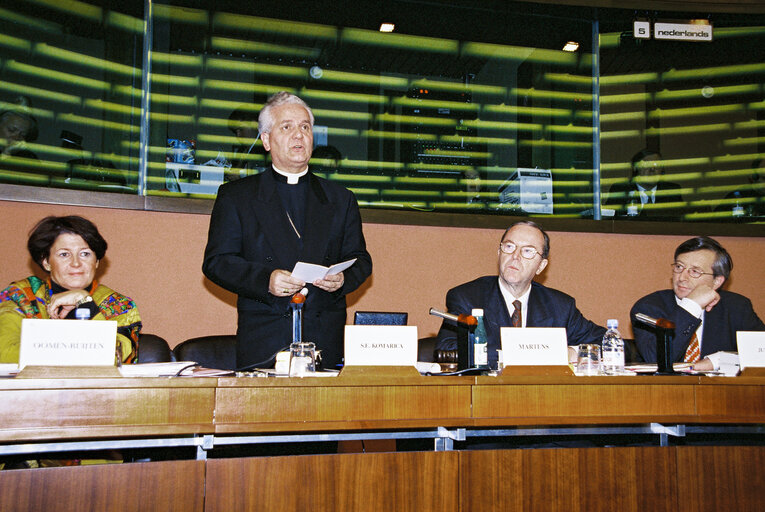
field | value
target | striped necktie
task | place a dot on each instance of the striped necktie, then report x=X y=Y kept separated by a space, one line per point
x=516 y=319
x=693 y=352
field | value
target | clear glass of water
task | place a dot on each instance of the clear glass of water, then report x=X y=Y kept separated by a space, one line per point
x=302 y=358
x=588 y=360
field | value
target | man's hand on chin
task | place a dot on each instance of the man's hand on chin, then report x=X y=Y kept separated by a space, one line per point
x=704 y=296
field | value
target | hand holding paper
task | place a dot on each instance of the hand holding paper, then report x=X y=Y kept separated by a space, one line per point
x=310 y=272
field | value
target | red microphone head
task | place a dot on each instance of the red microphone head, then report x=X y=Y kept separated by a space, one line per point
x=299 y=298
x=469 y=320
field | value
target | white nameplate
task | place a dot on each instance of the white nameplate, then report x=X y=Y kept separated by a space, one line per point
x=380 y=345
x=67 y=342
x=751 y=349
x=534 y=346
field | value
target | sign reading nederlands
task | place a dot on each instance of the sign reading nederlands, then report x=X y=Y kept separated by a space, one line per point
x=692 y=30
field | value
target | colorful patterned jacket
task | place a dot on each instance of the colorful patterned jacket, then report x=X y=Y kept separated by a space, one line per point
x=28 y=298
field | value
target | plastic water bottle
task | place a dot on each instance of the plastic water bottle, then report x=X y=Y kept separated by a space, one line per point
x=480 y=342
x=738 y=210
x=612 y=349
x=82 y=314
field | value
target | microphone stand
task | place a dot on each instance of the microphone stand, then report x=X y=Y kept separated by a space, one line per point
x=665 y=333
x=466 y=325
x=296 y=304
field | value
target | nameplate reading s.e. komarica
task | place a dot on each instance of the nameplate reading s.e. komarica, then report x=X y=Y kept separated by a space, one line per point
x=47 y=342
x=751 y=349
x=380 y=345
x=534 y=346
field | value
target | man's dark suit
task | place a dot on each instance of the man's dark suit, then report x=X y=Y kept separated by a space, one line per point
x=621 y=194
x=733 y=313
x=547 y=308
x=250 y=236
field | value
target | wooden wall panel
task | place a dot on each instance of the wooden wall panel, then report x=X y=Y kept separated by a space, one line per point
x=372 y=482
x=156 y=258
x=570 y=480
x=714 y=478
x=154 y=486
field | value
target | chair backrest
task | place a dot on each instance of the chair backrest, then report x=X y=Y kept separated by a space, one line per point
x=216 y=351
x=426 y=349
x=153 y=349
x=631 y=353
x=380 y=318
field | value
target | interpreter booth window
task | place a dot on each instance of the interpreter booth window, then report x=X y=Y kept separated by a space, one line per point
x=70 y=94
x=459 y=108
x=683 y=117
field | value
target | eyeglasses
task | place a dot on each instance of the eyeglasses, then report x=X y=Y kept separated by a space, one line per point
x=527 y=251
x=695 y=273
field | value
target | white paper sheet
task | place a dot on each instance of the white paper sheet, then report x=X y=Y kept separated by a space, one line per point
x=310 y=272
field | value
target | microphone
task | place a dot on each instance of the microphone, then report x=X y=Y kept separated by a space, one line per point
x=464 y=320
x=296 y=304
x=466 y=324
x=661 y=323
x=299 y=298
x=665 y=333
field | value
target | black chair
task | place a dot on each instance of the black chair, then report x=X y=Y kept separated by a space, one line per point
x=216 y=351
x=631 y=353
x=426 y=349
x=153 y=349
x=379 y=318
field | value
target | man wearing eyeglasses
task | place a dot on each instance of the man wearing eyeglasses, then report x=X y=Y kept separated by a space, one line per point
x=514 y=299
x=706 y=317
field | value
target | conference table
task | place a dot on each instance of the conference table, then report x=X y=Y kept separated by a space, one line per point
x=201 y=416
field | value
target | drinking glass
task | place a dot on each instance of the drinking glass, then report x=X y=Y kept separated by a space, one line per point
x=302 y=358
x=588 y=360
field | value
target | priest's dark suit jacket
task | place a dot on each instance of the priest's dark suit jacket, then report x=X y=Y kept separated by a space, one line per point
x=733 y=313
x=250 y=236
x=547 y=308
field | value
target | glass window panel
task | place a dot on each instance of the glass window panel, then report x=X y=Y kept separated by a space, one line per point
x=700 y=106
x=435 y=116
x=70 y=82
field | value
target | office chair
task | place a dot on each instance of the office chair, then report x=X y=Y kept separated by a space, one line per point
x=215 y=351
x=379 y=318
x=153 y=349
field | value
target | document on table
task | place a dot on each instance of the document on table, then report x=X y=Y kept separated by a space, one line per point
x=310 y=272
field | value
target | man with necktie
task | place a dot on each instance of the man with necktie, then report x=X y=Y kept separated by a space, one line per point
x=514 y=299
x=706 y=318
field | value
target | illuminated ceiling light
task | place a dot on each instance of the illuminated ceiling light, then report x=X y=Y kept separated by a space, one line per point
x=571 y=46
x=387 y=27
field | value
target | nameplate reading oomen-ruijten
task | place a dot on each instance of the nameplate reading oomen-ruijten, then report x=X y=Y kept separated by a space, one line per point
x=534 y=346
x=380 y=345
x=67 y=342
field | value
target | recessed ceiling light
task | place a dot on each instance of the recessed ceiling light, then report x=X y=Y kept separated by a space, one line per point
x=571 y=46
x=387 y=27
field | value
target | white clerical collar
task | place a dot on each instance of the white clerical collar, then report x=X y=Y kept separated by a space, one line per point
x=647 y=195
x=292 y=179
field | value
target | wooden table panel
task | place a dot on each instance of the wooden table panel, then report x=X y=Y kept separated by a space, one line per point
x=571 y=479
x=731 y=403
x=404 y=482
x=581 y=403
x=104 y=412
x=247 y=408
x=717 y=478
x=161 y=486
